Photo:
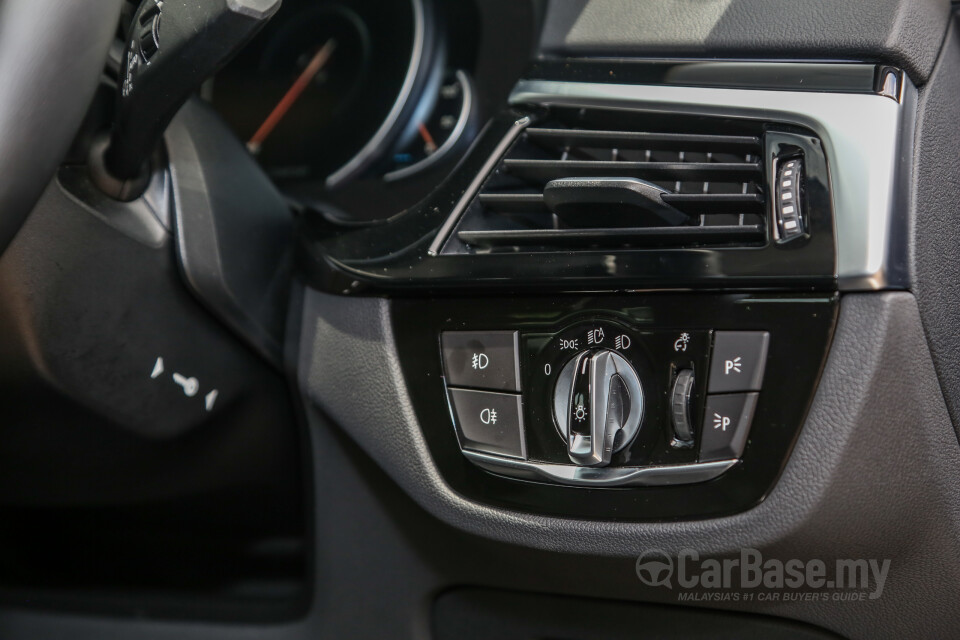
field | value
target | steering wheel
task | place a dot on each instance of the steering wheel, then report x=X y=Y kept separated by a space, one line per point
x=51 y=56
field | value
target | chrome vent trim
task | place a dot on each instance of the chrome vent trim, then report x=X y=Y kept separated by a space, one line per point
x=862 y=135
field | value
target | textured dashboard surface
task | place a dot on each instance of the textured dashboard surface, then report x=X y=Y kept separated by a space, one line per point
x=936 y=235
x=901 y=32
x=878 y=426
x=873 y=475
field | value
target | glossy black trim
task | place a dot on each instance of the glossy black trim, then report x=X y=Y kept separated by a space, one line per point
x=392 y=257
x=800 y=325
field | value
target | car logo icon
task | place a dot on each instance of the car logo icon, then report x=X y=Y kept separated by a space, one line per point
x=655 y=568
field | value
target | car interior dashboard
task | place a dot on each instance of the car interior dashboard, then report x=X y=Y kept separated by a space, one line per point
x=480 y=319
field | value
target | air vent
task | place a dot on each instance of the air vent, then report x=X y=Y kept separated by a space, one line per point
x=611 y=179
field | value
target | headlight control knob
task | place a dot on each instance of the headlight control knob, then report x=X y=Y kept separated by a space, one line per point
x=598 y=405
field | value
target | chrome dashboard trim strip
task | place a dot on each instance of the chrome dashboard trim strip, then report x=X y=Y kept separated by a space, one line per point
x=448 y=225
x=862 y=136
x=576 y=476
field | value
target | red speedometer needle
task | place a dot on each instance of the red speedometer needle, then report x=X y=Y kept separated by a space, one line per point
x=302 y=82
x=430 y=145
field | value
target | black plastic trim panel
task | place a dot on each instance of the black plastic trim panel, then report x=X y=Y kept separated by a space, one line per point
x=801 y=327
x=475 y=614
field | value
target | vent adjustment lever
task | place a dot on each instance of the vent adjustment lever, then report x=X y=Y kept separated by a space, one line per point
x=601 y=202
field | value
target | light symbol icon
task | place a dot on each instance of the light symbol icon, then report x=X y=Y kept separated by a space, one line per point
x=681 y=343
x=720 y=422
x=622 y=342
x=580 y=413
x=488 y=416
x=595 y=336
x=480 y=361
x=731 y=365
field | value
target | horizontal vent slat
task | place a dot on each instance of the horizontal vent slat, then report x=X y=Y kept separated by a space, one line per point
x=707 y=203
x=692 y=203
x=545 y=170
x=514 y=202
x=641 y=236
x=652 y=141
x=713 y=174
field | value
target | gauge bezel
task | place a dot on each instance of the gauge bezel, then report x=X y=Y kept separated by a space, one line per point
x=463 y=120
x=373 y=148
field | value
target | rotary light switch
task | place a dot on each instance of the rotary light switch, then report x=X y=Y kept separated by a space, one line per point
x=598 y=405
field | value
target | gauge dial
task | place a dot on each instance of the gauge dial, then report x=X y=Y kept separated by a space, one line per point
x=355 y=108
x=440 y=133
x=319 y=82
